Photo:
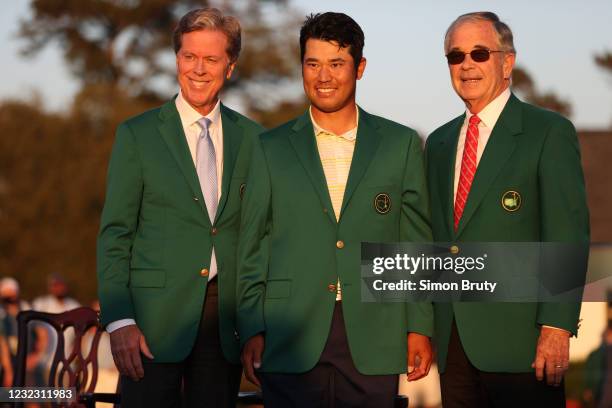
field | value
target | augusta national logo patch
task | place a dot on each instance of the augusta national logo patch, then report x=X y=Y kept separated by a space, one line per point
x=382 y=203
x=511 y=201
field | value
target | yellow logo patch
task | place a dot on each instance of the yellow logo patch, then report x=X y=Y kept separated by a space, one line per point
x=382 y=203
x=511 y=201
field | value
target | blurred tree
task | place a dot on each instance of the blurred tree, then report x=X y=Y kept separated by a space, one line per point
x=524 y=84
x=53 y=166
x=52 y=180
x=604 y=60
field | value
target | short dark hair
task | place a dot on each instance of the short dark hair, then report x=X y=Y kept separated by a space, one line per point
x=337 y=27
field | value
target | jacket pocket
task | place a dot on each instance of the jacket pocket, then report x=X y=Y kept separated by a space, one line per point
x=278 y=288
x=147 y=278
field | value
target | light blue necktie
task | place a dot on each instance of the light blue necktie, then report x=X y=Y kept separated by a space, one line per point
x=206 y=166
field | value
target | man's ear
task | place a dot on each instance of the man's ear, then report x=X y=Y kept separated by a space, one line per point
x=230 y=70
x=508 y=64
x=361 y=68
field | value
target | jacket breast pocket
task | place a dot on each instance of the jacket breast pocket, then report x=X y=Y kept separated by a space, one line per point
x=238 y=187
x=382 y=200
x=278 y=289
x=147 y=278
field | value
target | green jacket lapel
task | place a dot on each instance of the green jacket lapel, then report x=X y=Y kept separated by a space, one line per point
x=366 y=145
x=304 y=144
x=446 y=172
x=499 y=148
x=232 y=138
x=172 y=132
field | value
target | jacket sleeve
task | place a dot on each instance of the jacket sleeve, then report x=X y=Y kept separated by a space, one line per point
x=118 y=227
x=564 y=215
x=415 y=226
x=253 y=247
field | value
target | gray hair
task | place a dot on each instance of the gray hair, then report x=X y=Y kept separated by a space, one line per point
x=210 y=19
x=504 y=34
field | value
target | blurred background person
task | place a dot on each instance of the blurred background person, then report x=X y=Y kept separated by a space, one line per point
x=598 y=369
x=11 y=306
x=55 y=301
x=6 y=367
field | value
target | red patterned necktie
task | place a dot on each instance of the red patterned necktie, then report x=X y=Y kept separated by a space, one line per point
x=468 y=168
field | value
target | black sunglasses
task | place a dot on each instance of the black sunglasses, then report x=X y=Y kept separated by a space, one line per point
x=478 y=55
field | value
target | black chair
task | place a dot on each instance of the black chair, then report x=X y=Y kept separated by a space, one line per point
x=68 y=369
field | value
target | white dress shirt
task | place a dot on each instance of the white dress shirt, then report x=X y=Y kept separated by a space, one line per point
x=189 y=120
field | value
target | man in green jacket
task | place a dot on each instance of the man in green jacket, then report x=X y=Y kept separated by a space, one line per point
x=169 y=230
x=318 y=186
x=503 y=171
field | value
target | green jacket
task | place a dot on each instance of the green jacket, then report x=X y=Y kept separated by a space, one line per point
x=533 y=152
x=292 y=250
x=155 y=235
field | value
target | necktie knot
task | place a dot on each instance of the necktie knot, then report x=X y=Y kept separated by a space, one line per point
x=204 y=123
x=474 y=120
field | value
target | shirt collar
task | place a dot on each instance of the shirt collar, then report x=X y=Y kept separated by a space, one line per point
x=489 y=115
x=349 y=135
x=190 y=116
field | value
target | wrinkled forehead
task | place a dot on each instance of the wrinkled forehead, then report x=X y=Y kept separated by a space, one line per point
x=204 y=40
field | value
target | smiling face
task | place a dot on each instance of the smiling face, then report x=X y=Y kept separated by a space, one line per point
x=329 y=75
x=478 y=83
x=203 y=66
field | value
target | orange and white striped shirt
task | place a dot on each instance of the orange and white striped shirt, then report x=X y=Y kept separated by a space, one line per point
x=336 y=153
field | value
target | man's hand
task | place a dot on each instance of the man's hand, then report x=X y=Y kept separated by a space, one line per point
x=552 y=355
x=126 y=345
x=251 y=357
x=419 y=356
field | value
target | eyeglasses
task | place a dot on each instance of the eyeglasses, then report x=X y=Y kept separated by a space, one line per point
x=478 y=55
